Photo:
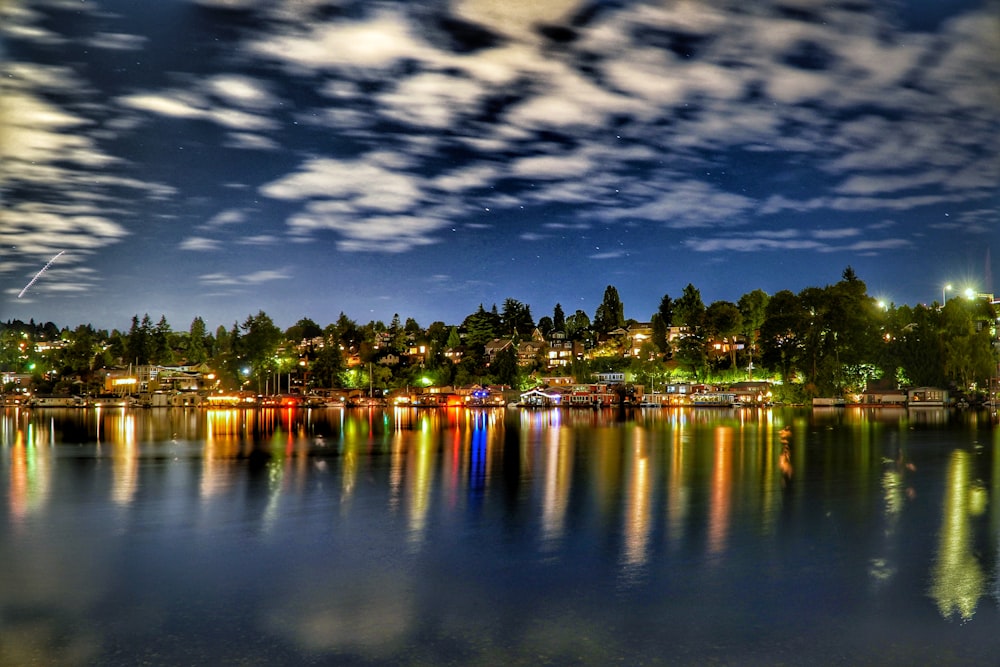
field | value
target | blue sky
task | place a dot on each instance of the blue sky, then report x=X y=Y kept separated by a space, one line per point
x=307 y=157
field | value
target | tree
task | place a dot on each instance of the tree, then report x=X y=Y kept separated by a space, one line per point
x=662 y=320
x=724 y=320
x=139 y=347
x=397 y=341
x=480 y=328
x=610 y=314
x=259 y=342
x=752 y=307
x=780 y=333
x=661 y=335
x=916 y=347
x=689 y=310
x=196 y=352
x=78 y=357
x=516 y=318
x=558 y=319
x=454 y=340
x=346 y=333
x=327 y=367
x=504 y=367
x=545 y=325
x=968 y=357
x=578 y=326
x=162 y=351
x=411 y=328
x=304 y=329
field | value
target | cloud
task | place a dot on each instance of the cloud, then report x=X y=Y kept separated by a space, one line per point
x=221 y=279
x=200 y=244
x=260 y=239
x=843 y=233
x=636 y=87
x=795 y=240
x=79 y=194
x=610 y=254
x=188 y=105
x=626 y=115
x=249 y=141
x=240 y=90
x=116 y=41
x=359 y=184
x=389 y=234
x=225 y=218
x=375 y=43
x=533 y=236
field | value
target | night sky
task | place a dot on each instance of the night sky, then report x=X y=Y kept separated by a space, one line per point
x=307 y=157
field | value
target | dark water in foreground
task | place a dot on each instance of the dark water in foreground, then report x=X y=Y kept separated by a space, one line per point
x=686 y=537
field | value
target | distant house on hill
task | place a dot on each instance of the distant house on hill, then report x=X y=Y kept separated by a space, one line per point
x=495 y=346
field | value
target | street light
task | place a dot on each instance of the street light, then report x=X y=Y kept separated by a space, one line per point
x=946 y=288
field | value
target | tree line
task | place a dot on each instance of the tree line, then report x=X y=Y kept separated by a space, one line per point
x=821 y=341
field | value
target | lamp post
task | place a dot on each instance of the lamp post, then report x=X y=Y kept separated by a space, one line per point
x=944 y=290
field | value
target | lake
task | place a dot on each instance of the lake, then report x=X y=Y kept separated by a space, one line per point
x=499 y=537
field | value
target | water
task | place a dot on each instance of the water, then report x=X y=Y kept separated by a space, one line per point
x=455 y=537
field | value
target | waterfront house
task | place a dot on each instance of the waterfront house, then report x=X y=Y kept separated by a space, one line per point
x=543 y=398
x=926 y=397
x=751 y=392
x=881 y=393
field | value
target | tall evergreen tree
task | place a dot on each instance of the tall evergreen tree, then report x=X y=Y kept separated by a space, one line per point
x=259 y=342
x=558 y=319
x=196 y=352
x=610 y=314
x=162 y=351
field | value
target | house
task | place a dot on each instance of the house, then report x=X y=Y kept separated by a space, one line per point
x=556 y=380
x=529 y=351
x=418 y=353
x=751 y=393
x=496 y=346
x=882 y=392
x=562 y=352
x=543 y=398
x=639 y=333
x=389 y=360
x=926 y=397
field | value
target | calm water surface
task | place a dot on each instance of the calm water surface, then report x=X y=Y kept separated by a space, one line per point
x=455 y=537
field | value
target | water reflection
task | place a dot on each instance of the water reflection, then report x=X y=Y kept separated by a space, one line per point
x=958 y=580
x=558 y=479
x=638 y=506
x=30 y=460
x=364 y=532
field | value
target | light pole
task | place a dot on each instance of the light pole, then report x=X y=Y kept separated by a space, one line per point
x=944 y=290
